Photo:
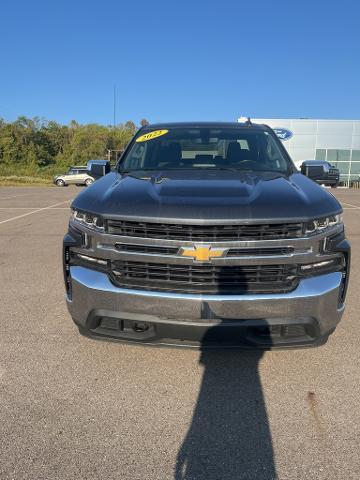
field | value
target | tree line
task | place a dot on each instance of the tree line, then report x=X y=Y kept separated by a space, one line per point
x=38 y=147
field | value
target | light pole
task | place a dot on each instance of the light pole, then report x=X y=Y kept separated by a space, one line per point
x=114 y=106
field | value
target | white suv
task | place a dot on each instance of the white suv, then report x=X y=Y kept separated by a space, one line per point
x=75 y=175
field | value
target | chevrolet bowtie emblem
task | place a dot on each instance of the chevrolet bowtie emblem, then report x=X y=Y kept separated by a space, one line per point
x=202 y=253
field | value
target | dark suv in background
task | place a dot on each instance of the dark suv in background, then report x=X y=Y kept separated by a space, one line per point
x=321 y=172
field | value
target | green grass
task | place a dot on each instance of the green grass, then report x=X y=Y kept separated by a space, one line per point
x=24 y=180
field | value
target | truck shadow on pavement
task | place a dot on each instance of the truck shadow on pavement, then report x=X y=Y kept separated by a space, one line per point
x=229 y=437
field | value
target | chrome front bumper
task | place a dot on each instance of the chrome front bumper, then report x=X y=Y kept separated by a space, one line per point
x=103 y=310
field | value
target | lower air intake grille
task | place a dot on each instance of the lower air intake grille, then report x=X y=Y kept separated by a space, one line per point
x=205 y=278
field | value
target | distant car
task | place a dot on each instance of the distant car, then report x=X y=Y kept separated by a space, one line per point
x=321 y=172
x=76 y=176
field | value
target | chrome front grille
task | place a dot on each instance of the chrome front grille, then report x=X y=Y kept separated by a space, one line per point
x=260 y=251
x=204 y=233
x=253 y=258
x=150 y=249
x=231 y=252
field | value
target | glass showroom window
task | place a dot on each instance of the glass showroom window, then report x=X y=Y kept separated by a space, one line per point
x=347 y=161
x=343 y=168
x=320 y=154
x=355 y=171
x=355 y=165
x=355 y=156
x=340 y=159
x=334 y=156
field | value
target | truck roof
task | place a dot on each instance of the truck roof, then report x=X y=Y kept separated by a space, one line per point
x=256 y=126
x=90 y=163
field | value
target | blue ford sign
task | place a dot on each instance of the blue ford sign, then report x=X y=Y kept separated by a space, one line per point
x=283 y=133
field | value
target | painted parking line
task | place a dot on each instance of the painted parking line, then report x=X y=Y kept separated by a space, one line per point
x=14 y=196
x=351 y=205
x=34 y=211
x=33 y=208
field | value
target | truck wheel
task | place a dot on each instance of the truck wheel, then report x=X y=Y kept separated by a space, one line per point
x=89 y=181
x=60 y=183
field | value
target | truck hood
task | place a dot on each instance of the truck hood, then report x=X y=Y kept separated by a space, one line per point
x=207 y=196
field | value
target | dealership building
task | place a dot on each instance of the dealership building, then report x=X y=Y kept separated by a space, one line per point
x=336 y=141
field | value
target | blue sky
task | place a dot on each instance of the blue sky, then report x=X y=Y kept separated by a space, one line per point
x=179 y=60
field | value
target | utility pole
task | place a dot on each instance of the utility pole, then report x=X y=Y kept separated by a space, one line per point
x=114 y=153
x=114 y=106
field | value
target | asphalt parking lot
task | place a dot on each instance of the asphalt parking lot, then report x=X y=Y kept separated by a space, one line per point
x=75 y=408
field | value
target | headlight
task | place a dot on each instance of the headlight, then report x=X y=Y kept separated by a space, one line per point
x=89 y=220
x=321 y=224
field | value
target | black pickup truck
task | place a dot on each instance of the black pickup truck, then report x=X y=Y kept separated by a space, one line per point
x=321 y=172
x=206 y=235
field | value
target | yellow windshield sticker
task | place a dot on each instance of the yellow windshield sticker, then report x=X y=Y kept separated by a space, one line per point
x=151 y=135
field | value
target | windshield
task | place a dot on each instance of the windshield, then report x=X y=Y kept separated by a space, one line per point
x=206 y=148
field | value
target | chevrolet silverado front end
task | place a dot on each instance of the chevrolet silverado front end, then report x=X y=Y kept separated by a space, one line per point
x=206 y=236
